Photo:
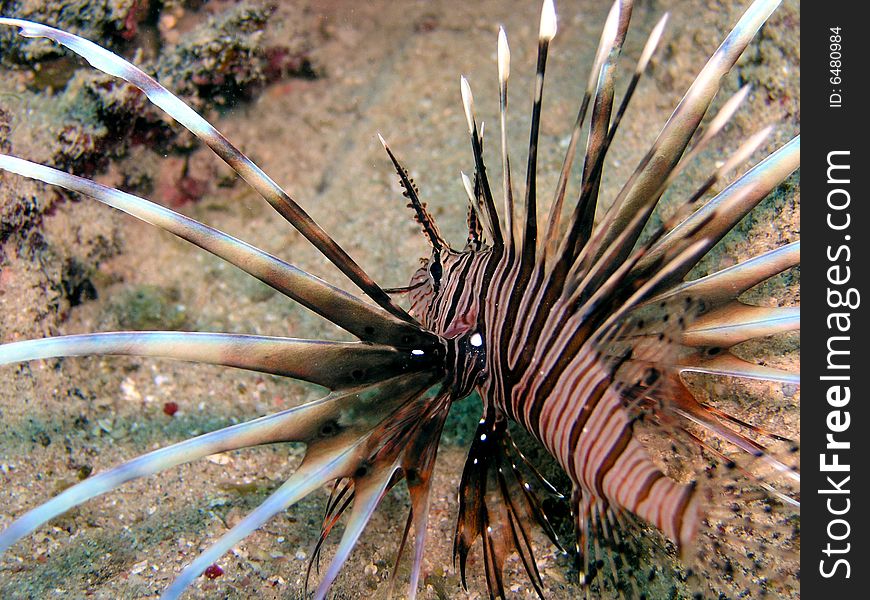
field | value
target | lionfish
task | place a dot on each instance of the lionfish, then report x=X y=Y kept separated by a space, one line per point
x=581 y=333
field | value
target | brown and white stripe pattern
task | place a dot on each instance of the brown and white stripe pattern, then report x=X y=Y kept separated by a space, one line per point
x=575 y=365
x=574 y=335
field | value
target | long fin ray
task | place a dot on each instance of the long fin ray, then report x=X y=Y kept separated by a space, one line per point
x=725 y=363
x=343 y=309
x=546 y=33
x=488 y=212
x=726 y=285
x=681 y=126
x=309 y=477
x=729 y=206
x=367 y=494
x=259 y=431
x=736 y=322
x=112 y=64
x=333 y=365
x=605 y=42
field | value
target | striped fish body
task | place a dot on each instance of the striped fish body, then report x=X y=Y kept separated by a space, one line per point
x=584 y=332
x=555 y=382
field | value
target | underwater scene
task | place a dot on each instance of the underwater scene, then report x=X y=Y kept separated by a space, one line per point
x=425 y=318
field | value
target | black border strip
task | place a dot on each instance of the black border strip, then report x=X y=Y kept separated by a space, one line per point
x=832 y=250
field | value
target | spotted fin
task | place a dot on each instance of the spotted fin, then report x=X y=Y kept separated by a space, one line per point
x=500 y=495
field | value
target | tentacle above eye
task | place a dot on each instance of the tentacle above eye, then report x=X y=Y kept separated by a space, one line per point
x=334 y=365
x=114 y=65
x=346 y=311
